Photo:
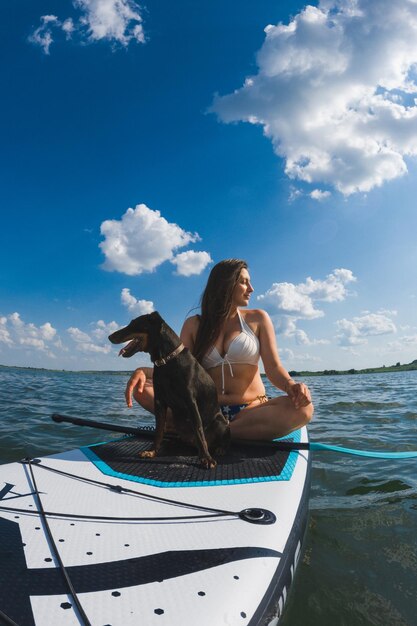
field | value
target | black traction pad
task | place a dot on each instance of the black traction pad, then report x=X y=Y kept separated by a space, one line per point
x=178 y=464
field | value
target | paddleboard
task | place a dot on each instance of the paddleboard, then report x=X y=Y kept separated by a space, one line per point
x=100 y=536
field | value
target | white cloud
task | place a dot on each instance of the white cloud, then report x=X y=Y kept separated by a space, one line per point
x=356 y=331
x=4 y=333
x=134 y=306
x=68 y=27
x=58 y=344
x=103 y=330
x=319 y=195
x=85 y=343
x=39 y=344
x=78 y=335
x=299 y=361
x=42 y=36
x=409 y=339
x=47 y=331
x=404 y=345
x=336 y=93
x=302 y=339
x=117 y=21
x=288 y=303
x=289 y=299
x=190 y=263
x=389 y=312
x=332 y=289
x=141 y=241
x=294 y=194
x=14 y=332
x=286 y=354
x=309 y=358
x=298 y=300
x=92 y=347
x=42 y=341
x=286 y=325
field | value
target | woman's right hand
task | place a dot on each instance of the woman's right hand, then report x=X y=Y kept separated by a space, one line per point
x=299 y=393
x=136 y=381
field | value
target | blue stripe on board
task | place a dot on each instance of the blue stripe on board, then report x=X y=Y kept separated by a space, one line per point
x=285 y=474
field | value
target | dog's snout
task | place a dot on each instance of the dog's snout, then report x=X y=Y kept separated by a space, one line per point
x=114 y=337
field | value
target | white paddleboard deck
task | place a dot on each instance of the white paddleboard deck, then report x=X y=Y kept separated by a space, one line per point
x=151 y=542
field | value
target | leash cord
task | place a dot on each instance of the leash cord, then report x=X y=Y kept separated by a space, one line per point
x=133 y=492
x=64 y=572
x=108 y=518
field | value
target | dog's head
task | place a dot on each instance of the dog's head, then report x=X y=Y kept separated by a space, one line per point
x=139 y=333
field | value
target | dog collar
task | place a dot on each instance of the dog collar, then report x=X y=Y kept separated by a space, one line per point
x=173 y=354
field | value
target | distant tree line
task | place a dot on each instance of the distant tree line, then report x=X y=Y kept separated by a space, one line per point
x=369 y=370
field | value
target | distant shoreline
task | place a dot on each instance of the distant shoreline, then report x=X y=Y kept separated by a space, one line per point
x=47 y=369
x=406 y=367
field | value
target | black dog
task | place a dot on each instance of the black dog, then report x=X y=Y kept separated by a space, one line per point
x=181 y=384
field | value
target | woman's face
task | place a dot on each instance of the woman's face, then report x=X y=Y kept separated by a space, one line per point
x=242 y=290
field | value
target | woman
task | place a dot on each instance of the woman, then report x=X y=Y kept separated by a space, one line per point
x=228 y=342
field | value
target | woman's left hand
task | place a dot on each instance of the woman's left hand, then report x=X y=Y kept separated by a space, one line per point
x=299 y=394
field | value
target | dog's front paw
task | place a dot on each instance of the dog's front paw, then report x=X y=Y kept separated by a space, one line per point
x=147 y=454
x=208 y=462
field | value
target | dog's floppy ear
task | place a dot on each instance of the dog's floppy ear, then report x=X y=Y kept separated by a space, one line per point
x=154 y=316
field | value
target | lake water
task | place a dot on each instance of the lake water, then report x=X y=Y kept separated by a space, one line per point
x=360 y=562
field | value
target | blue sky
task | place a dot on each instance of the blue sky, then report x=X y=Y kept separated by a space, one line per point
x=142 y=143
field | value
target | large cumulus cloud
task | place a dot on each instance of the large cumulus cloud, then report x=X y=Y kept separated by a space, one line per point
x=335 y=92
x=143 y=239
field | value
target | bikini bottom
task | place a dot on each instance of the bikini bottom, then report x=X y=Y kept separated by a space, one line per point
x=231 y=410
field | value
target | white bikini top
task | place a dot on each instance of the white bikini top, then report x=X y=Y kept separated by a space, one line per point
x=242 y=349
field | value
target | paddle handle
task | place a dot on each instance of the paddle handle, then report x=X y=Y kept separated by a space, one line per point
x=78 y=421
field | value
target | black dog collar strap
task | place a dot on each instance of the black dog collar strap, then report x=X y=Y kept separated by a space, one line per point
x=173 y=354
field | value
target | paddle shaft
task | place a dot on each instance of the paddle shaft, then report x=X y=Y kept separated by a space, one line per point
x=144 y=432
x=277 y=445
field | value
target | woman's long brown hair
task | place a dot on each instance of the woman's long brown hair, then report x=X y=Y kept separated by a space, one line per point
x=216 y=303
